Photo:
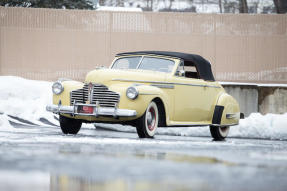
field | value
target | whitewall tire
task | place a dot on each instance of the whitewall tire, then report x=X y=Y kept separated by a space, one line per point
x=219 y=133
x=148 y=123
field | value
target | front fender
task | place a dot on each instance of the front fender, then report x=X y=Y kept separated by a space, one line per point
x=231 y=110
x=146 y=94
x=65 y=95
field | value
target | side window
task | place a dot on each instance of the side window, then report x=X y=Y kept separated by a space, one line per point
x=190 y=72
x=180 y=69
x=187 y=71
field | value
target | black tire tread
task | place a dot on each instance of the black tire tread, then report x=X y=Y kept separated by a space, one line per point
x=69 y=125
x=214 y=131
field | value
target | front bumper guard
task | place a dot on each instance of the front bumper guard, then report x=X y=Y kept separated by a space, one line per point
x=97 y=111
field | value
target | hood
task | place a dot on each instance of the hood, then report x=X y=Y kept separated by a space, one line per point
x=107 y=76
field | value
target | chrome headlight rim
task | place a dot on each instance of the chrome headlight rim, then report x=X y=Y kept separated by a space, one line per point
x=57 y=88
x=132 y=92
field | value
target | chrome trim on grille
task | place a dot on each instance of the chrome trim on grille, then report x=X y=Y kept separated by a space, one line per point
x=99 y=93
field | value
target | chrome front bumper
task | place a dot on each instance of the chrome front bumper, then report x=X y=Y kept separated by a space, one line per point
x=97 y=111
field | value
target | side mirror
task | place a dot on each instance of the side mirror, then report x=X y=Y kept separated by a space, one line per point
x=180 y=73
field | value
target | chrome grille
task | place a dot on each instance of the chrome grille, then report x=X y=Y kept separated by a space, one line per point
x=101 y=93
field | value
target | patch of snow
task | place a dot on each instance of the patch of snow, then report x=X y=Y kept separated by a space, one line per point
x=269 y=126
x=121 y=9
x=210 y=6
x=4 y=123
x=26 y=99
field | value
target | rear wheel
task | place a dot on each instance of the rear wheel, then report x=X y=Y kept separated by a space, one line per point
x=69 y=125
x=148 y=123
x=219 y=133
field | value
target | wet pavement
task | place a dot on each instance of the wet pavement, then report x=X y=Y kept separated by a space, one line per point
x=41 y=158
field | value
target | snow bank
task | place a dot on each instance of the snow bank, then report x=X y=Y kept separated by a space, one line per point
x=270 y=126
x=27 y=99
x=4 y=123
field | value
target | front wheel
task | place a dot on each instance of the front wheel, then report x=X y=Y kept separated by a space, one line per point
x=219 y=133
x=148 y=123
x=69 y=125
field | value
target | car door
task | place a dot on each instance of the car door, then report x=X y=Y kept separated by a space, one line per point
x=191 y=99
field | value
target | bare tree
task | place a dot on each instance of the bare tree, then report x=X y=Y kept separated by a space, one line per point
x=281 y=6
x=119 y=3
x=220 y=6
x=243 y=7
x=149 y=5
x=170 y=4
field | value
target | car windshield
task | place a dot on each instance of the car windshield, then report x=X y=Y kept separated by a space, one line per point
x=127 y=63
x=147 y=63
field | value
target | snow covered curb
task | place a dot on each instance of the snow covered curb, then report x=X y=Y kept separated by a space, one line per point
x=27 y=100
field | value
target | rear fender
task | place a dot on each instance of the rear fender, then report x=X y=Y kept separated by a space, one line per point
x=227 y=111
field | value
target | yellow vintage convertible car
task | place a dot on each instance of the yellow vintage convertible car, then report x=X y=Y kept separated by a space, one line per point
x=147 y=89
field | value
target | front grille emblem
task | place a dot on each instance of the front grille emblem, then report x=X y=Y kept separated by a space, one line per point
x=90 y=93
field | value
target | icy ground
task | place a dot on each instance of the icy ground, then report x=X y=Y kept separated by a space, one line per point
x=27 y=99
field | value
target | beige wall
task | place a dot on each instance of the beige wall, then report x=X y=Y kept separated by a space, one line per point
x=46 y=44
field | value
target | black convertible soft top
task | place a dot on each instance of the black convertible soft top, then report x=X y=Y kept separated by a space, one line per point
x=202 y=65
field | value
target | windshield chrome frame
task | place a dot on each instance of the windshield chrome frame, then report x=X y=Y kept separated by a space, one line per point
x=140 y=62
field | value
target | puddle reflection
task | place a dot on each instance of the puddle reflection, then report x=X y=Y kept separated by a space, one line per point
x=66 y=183
x=39 y=181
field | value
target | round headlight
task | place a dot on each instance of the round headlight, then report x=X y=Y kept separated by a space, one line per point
x=57 y=88
x=132 y=92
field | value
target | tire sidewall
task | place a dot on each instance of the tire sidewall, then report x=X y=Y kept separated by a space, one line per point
x=223 y=131
x=149 y=132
